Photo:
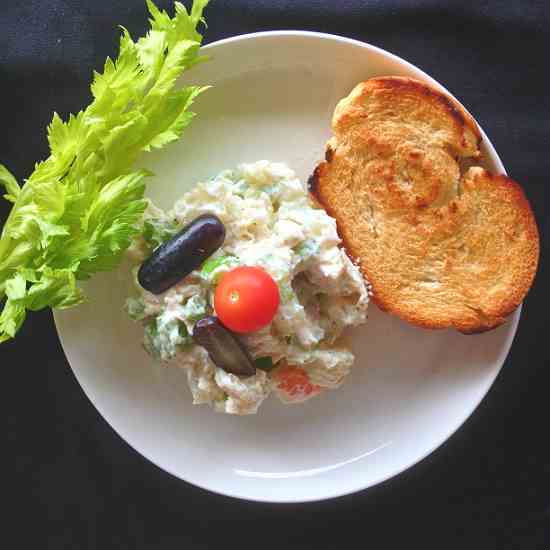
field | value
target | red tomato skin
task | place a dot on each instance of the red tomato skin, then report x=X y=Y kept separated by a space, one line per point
x=295 y=385
x=246 y=299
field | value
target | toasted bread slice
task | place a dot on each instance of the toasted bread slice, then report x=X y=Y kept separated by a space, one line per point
x=441 y=247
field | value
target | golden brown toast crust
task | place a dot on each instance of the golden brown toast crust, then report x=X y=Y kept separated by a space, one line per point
x=441 y=248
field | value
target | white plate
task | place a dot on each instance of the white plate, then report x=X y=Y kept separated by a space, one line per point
x=273 y=97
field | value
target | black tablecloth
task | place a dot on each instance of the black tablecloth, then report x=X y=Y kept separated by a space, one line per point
x=71 y=482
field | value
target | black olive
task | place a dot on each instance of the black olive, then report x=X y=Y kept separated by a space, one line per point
x=183 y=253
x=223 y=347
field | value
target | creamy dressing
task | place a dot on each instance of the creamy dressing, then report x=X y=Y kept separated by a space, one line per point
x=270 y=222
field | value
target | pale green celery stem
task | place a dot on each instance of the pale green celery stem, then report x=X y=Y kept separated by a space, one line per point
x=5 y=243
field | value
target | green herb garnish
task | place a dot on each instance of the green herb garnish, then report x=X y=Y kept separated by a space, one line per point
x=264 y=363
x=156 y=232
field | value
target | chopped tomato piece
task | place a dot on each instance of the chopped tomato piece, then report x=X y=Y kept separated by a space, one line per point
x=294 y=385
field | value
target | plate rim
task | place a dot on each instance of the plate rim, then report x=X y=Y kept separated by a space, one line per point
x=503 y=354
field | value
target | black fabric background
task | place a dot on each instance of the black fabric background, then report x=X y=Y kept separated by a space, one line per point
x=70 y=482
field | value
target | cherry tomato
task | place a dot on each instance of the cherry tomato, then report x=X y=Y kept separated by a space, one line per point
x=294 y=385
x=246 y=299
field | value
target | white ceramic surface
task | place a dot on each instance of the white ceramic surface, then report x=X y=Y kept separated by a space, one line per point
x=272 y=98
